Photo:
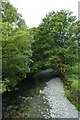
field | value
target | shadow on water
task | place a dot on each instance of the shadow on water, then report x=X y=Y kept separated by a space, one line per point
x=28 y=102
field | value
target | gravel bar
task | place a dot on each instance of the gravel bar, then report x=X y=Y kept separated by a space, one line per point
x=60 y=105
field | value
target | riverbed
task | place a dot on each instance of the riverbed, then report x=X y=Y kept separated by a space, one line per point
x=38 y=100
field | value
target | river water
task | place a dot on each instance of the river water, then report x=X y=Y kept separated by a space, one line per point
x=38 y=100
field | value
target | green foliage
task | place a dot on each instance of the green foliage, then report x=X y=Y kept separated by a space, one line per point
x=72 y=100
x=16 y=46
x=16 y=53
x=76 y=85
x=4 y=85
x=72 y=91
x=10 y=15
x=55 y=44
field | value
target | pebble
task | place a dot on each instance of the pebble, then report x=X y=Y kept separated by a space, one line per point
x=60 y=105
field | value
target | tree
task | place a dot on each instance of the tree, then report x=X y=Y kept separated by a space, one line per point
x=55 y=43
x=10 y=15
x=16 y=46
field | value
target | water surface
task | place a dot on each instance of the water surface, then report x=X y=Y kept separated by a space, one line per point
x=38 y=100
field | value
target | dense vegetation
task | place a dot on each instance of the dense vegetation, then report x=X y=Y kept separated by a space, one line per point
x=53 y=44
x=56 y=46
x=56 y=43
x=16 y=46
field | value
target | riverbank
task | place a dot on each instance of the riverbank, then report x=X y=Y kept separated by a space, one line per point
x=42 y=100
x=61 y=107
x=72 y=91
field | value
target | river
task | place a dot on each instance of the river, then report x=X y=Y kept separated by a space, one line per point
x=38 y=100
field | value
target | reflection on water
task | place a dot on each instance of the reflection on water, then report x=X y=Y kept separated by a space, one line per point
x=28 y=102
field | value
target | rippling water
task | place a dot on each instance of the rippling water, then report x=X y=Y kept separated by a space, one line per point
x=38 y=100
x=26 y=103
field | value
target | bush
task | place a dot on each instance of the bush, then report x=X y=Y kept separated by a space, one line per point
x=76 y=85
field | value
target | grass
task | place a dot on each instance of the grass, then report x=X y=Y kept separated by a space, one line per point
x=72 y=100
x=75 y=86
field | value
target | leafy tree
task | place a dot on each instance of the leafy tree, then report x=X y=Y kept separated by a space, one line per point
x=16 y=53
x=16 y=46
x=10 y=15
x=56 y=43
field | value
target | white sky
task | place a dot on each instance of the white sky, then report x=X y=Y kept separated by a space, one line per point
x=35 y=10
